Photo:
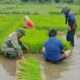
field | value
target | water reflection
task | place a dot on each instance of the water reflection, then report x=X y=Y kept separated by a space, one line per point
x=67 y=70
x=7 y=69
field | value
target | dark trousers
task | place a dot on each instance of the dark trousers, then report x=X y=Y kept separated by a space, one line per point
x=70 y=34
x=70 y=37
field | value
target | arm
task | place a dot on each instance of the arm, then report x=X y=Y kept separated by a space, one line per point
x=43 y=50
x=61 y=48
x=66 y=19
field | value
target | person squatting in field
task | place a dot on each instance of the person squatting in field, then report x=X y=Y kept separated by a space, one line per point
x=13 y=46
x=53 y=49
x=70 y=19
x=28 y=23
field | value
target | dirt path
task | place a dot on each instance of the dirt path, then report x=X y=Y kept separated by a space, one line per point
x=67 y=70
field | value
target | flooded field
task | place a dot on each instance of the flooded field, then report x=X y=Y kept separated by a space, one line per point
x=7 y=69
x=67 y=70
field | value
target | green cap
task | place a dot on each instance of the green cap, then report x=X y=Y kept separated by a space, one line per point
x=21 y=31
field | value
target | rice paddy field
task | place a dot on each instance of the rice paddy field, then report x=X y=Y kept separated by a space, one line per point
x=29 y=69
x=34 y=8
x=35 y=39
x=44 y=16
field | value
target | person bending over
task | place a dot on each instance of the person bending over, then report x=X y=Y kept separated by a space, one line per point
x=13 y=47
x=70 y=19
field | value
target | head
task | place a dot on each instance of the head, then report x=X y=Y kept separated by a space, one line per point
x=52 y=33
x=65 y=10
x=20 y=33
x=26 y=18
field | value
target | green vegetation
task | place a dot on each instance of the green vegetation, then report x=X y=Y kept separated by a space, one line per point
x=66 y=44
x=35 y=39
x=33 y=8
x=29 y=69
x=45 y=16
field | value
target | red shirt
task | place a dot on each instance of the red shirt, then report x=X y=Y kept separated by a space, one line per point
x=29 y=24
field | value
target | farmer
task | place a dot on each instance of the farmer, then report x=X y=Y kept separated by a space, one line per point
x=71 y=21
x=13 y=46
x=53 y=49
x=28 y=23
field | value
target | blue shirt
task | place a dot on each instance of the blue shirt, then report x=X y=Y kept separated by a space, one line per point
x=70 y=16
x=53 y=49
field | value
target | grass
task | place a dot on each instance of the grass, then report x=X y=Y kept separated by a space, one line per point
x=24 y=8
x=35 y=39
x=29 y=69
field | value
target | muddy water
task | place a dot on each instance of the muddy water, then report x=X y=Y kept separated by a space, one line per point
x=7 y=69
x=67 y=70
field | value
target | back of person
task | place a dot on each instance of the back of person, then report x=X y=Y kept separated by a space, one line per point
x=53 y=48
x=71 y=17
